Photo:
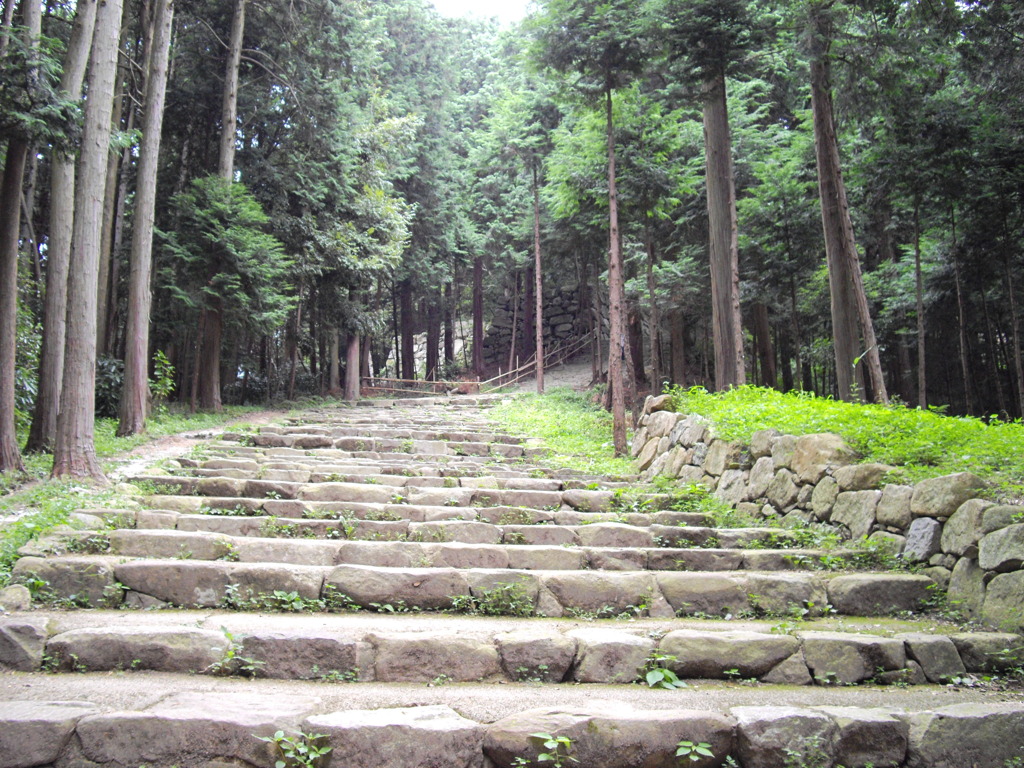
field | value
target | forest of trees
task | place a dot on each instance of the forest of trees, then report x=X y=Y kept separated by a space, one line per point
x=261 y=199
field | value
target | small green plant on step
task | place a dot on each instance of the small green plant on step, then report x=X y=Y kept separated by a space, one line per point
x=558 y=750
x=233 y=663
x=813 y=755
x=657 y=673
x=693 y=752
x=508 y=599
x=304 y=750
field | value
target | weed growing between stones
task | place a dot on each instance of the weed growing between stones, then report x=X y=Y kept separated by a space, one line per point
x=304 y=750
x=657 y=673
x=233 y=662
x=516 y=517
x=528 y=675
x=688 y=750
x=239 y=510
x=510 y=599
x=813 y=755
x=558 y=751
x=95 y=544
x=280 y=601
x=336 y=675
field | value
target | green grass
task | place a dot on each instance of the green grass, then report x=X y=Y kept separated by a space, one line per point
x=577 y=433
x=167 y=422
x=45 y=503
x=920 y=443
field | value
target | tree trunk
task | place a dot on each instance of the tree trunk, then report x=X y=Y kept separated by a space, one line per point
x=209 y=385
x=655 y=317
x=75 y=451
x=448 y=324
x=922 y=376
x=616 y=293
x=209 y=366
x=1018 y=362
x=677 y=347
x=352 y=368
x=229 y=104
x=598 y=329
x=849 y=303
x=515 y=322
x=433 y=339
x=108 y=338
x=965 y=367
x=635 y=326
x=106 y=283
x=763 y=341
x=10 y=231
x=478 y=317
x=726 y=319
x=135 y=397
x=528 y=339
x=408 y=331
x=538 y=290
x=334 y=375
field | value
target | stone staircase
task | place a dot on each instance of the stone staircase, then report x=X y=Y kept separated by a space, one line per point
x=413 y=587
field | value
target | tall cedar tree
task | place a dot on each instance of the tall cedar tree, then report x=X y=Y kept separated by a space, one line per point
x=853 y=331
x=135 y=394
x=43 y=430
x=600 y=44
x=10 y=229
x=708 y=39
x=75 y=451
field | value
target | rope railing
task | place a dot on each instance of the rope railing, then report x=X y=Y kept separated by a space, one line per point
x=561 y=353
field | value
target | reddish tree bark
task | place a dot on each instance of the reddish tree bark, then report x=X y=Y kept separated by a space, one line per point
x=75 y=451
x=725 y=273
x=617 y=352
x=538 y=290
x=135 y=395
x=851 y=319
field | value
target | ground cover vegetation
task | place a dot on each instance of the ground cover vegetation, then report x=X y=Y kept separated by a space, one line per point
x=916 y=443
x=811 y=195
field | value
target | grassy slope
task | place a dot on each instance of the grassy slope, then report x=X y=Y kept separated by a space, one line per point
x=577 y=432
x=918 y=443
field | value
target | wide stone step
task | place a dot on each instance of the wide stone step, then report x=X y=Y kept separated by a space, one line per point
x=406 y=432
x=295 y=474
x=369 y=442
x=458 y=492
x=356 y=648
x=461 y=544
x=105 y=581
x=443 y=726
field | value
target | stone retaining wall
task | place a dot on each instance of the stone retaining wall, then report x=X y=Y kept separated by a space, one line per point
x=972 y=546
x=562 y=321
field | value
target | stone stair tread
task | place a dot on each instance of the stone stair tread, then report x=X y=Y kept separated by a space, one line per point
x=130 y=721
x=416 y=648
x=663 y=594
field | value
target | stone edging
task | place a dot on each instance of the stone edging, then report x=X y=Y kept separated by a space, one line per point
x=973 y=547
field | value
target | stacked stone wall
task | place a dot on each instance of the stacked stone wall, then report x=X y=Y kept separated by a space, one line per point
x=562 y=321
x=972 y=546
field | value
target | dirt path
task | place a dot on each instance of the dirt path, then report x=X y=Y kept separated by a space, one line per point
x=170 y=446
x=576 y=374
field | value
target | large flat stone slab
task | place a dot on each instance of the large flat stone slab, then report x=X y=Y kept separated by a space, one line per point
x=193 y=729
x=417 y=737
x=35 y=732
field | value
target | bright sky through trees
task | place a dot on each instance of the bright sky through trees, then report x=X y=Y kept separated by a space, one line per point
x=507 y=11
